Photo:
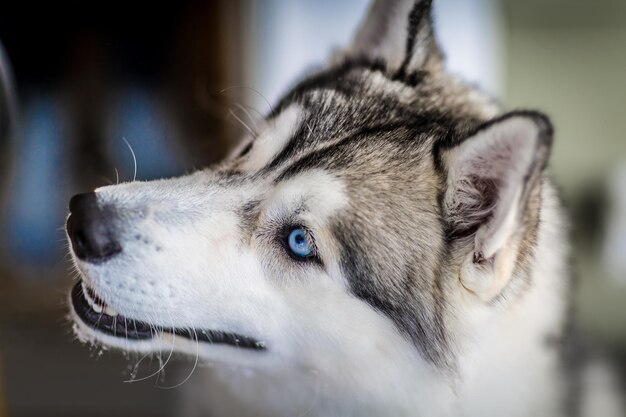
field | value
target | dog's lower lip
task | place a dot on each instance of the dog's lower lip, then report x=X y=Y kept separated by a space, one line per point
x=120 y=326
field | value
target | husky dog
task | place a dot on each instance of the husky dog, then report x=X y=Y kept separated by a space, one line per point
x=387 y=245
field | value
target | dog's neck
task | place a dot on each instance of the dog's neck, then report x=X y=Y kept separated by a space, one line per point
x=511 y=364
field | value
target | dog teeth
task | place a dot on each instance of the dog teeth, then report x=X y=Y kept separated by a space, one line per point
x=90 y=301
x=97 y=306
x=109 y=311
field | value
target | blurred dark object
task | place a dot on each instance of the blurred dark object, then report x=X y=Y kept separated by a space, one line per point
x=7 y=99
x=107 y=92
x=7 y=117
x=588 y=213
x=90 y=53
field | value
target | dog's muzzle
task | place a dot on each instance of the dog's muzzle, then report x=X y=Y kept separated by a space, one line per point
x=92 y=229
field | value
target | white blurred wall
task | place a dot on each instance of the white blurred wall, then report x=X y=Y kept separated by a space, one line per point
x=285 y=39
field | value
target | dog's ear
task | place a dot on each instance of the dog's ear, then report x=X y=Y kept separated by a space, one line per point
x=492 y=178
x=400 y=34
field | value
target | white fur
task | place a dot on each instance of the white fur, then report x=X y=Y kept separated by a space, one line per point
x=347 y=359
x=507 y=370
x=273 y=139
x=328 y=353
x=188 y=262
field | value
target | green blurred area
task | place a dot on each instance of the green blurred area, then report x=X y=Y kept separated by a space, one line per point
x=568 y=58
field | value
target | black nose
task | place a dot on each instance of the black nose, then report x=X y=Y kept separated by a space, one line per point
x=90 y=229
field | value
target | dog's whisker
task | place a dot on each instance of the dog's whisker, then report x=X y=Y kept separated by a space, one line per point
x=171 y=345
x=135 y=370
x=247 y=113
x=161 y=363
x=248 y=128
x=269 y=106
x=191 y=329
x=132 y=152
x=260 y=117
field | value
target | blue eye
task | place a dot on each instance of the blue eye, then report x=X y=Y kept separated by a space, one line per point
x=299 y=244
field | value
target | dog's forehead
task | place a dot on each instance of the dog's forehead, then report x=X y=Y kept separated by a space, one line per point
x=363 y=106
x=361 y=128
x=313 y=118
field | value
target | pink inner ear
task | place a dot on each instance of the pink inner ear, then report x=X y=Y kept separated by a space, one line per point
x=486 y=172
x=473 y=204
x=493 y=159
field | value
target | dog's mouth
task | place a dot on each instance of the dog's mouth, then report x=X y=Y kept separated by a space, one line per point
x=96 y=314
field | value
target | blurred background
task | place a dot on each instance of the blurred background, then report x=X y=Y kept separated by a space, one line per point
x=179 y=83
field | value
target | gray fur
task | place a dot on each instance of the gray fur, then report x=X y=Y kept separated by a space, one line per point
x=387 y=122
x=383 y=136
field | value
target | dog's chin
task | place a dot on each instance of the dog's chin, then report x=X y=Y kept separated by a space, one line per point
x=96 y=323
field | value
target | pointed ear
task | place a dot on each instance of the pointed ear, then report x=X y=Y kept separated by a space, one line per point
x=492 y=177
x=398 y=33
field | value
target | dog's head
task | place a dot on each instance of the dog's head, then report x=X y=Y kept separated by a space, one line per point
x=379 y=204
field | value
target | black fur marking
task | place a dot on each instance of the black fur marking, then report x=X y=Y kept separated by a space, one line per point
x=412 y=79
x=229 y=177
x=337 y=78
x=425 y=330
x=324 y=79
x=246 y=150
x=320 y=157
x=332 y=154
x=411 y=297
x=288 y=151
x=455 y=138
x=248 y=214
x=419 y=13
